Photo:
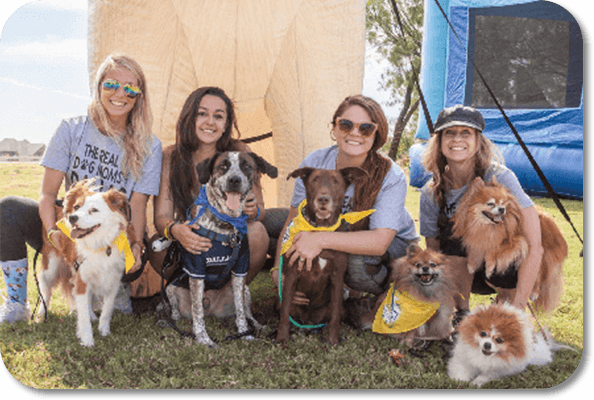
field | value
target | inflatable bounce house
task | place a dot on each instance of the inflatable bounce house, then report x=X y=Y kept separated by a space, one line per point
x=531 y=56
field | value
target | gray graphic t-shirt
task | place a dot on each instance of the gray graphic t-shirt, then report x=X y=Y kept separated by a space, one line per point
x=80 y=151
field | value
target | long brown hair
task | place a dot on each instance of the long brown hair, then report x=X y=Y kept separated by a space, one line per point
x=137 y=139
x=375 y=164
x=436 y=163
x=182 y=174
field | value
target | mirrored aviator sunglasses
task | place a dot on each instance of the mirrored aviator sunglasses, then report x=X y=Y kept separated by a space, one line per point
x=131 y=91
x=365 y=128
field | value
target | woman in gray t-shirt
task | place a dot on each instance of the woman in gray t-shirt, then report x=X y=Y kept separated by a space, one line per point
x=457 y=153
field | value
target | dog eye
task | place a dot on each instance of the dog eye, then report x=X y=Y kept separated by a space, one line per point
x=499 y=340
x=432 y=265
x=94 y=210
x=483 y=334
x=419 y=265
x=491 y=204
x=76 y=207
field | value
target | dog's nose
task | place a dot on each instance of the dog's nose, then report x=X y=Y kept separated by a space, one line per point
x=234 y=182
x=324 y=200
x=73 y=218
x=501 y=210
x=487 y=346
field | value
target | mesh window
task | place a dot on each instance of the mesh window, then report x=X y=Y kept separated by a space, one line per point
x=527 y=62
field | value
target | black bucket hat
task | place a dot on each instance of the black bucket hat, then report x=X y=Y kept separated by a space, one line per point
x=460 y=115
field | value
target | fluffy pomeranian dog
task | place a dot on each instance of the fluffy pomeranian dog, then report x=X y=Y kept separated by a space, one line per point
x=428 y=276
x=496 y=341
x=489 y=222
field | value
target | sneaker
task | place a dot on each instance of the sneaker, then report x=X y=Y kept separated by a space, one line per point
x=13 y=312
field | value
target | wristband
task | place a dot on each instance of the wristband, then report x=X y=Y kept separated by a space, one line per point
x=167 y=231
x=257 y=214
x=49 y=236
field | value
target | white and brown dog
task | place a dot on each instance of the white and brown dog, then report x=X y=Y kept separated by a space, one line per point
x=227 y=180
x=89 y=256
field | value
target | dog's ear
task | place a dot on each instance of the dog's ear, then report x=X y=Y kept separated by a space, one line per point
x=413 y=249
x=117 y=202
x=264 y=166
x=205 y=168
x=302 y=173
x=353 y=174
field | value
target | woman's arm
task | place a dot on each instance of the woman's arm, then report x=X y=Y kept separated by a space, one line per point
x=50 y=186
x=530 y=268
x=163 y=214
x=309 y=245
x=138 y=202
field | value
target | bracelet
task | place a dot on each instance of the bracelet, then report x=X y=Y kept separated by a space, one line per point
x=49 y=236
x=167 y=231
x=273 y=269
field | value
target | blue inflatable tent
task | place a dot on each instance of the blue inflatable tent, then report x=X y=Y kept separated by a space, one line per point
x=531 y=55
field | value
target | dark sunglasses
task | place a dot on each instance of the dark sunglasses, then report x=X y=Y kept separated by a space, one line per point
x=365 y=128
x=112 y=84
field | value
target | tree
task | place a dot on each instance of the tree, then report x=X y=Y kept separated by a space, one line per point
x=402 y=48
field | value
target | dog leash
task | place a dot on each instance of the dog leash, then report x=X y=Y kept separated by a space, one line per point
x=280 y=295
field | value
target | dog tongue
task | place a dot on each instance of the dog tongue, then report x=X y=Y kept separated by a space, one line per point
x=76 y=233
x=233 y=201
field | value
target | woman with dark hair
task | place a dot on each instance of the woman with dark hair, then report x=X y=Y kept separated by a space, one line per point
x=205 y=127
x=113 y=144
x=360 y=129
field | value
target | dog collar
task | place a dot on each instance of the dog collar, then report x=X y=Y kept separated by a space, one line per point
x=240 y=223
x=121 y=242
x=400 y=312
x=230 y=240
x=301 y=224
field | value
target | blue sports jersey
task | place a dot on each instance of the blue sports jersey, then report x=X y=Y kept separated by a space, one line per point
x=212 y=266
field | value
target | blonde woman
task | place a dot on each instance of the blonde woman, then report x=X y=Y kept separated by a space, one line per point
x=113 y=144
x=457 y=153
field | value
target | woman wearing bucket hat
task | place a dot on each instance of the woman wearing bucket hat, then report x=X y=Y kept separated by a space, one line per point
x=457 y=153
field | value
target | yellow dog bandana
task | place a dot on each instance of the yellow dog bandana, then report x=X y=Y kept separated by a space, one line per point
x=400 y=312
x=121 y=243
x=300 y=224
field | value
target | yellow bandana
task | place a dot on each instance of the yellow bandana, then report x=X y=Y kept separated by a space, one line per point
x=121 y=243
x=300 y=224
x=400 y=312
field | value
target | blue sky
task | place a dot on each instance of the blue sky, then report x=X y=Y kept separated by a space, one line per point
x=43 y=67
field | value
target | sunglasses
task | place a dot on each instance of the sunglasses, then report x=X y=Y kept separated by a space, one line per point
x=112 y=84
x=365 y=128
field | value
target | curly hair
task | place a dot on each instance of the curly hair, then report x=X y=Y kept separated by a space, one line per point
x=376 y=164
x=182 y=175
x=137 y=139
x=435 y=162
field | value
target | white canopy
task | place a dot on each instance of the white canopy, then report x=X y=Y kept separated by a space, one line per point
x=287 y=64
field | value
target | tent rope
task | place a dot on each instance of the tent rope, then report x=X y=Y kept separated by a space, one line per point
x=535 y=165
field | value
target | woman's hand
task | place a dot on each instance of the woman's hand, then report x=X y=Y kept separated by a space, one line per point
x=251 y=207
x=299 y=297
x=137 y=253
x=306 y=246
x=192 y=242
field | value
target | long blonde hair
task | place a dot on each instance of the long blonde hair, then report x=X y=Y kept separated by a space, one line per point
x=136 y=140
x=436 y=163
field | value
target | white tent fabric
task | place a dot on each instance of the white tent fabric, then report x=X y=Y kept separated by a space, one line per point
x=287 y=64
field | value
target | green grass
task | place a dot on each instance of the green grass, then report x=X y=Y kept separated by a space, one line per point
x=140 y=354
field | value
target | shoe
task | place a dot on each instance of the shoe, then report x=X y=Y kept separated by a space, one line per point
x=11 y=312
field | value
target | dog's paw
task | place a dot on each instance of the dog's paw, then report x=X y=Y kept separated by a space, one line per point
x=205 y=340
x=248 y=338
x=480 y=380
x=104 y=330
x=93 y=316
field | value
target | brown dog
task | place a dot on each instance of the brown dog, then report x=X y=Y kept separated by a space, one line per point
x=428 y=276
x=323 y=285
x=491 y=226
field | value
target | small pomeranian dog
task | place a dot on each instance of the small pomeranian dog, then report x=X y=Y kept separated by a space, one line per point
x=431 y=277
x=489 y=222
x=496 y=341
